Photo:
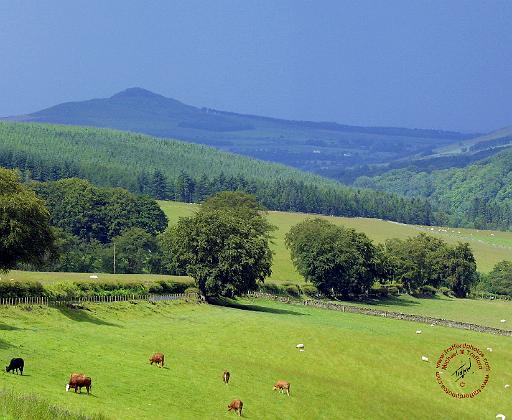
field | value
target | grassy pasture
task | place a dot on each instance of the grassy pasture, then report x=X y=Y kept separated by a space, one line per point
x=482 y=312
x=489 y=247
x=58 y=277
x=354 y=366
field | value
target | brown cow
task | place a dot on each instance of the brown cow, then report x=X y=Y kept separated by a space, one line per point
x=157 y=358
x=225 y=377
x=282 y=386
x=78 y=381
x=236 y=405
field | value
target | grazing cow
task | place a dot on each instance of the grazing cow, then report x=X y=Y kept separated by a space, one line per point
x=236 y=405
x=78 y=381
x=157 y=358
x=225 y=377
x=16 y=364
x=282 y=386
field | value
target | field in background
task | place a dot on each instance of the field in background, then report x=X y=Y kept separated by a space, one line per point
x=481 y=312
x=488 y=246
x=54 y=277
x=347 y=356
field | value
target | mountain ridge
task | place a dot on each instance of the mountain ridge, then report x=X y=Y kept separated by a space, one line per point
x=314 y=146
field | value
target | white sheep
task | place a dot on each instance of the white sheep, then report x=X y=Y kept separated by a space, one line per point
x=424 y=358
x=300 y=346
x=501 y=416
x=489 y=348
x=503 y=320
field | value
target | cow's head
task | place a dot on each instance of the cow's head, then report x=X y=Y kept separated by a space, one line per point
x=7 y=368
x=67 y=387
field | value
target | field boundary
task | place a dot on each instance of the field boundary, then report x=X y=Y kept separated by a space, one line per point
x=386 y=314
x=43 y=300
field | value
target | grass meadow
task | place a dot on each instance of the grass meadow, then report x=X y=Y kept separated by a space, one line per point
x=59 y=277
x=489 y=247
x=353 y=366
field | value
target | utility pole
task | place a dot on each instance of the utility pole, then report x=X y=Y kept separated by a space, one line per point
x=114 y=258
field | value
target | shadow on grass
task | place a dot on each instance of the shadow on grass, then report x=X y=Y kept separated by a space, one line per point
x=395 y=301
x=229 y=303
x=80 y=315
x=4 y=345
x=5 y=327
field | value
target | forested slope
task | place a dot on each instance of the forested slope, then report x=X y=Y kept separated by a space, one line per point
x=168 y=169
x=479 y=195
x=320 y=147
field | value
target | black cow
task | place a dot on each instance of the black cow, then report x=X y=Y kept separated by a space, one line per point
x=16 y=364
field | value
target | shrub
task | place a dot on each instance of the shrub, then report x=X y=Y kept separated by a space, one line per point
x=64 y=291
x=426 y=291
x=379 y=291
x=392 y=290
x=192 y=289
x=291 y=289
x=271 y=288
x=169 y=287
x=309 y=290
x=446 y=291
x=19 y=289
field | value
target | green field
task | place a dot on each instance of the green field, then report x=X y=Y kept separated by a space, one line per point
x=488 y=246
x=354 y=366
x=482 y=312
x=54 y=277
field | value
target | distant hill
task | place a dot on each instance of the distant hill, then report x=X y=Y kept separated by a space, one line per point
x=478 y=195
x=170 y=169
x=459 y=154
x=321 y=147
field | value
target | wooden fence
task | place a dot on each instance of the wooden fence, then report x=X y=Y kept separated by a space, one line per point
x=42 y=300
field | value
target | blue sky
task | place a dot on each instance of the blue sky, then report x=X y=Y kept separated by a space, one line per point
x=426 y=64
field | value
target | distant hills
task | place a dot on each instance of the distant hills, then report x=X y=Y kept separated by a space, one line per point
x=321 y=147
x=477 y=195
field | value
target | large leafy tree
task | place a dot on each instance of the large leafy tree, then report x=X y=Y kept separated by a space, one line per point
x=93 y=213
x=224 y=246
x=136 y=252
x=25 y=234
x=460 y=269
x=333 y=258
x=500 y=278
x=418 y=261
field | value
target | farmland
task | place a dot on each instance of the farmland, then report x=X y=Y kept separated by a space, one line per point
x=488 y=246
x=347 y=355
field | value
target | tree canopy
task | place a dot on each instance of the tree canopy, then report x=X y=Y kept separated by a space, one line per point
x=500 y=278
x=95 y=213
x=333 y=258
x=25 y=234
x=424 y=260
x=224 y=246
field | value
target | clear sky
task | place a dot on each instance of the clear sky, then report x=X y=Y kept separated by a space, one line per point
x=429 y=64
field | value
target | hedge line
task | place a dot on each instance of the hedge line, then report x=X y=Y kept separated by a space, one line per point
x=72 y=290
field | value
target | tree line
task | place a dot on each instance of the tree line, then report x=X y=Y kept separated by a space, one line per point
x=475 y=196
x=166 y=169
x=74 y=226
x=342 y=261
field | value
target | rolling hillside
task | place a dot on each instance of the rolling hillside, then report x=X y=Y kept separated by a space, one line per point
x=346 y=355
x=489 y=247
x=314 y=146
x=170 y=169
x=478 y=195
